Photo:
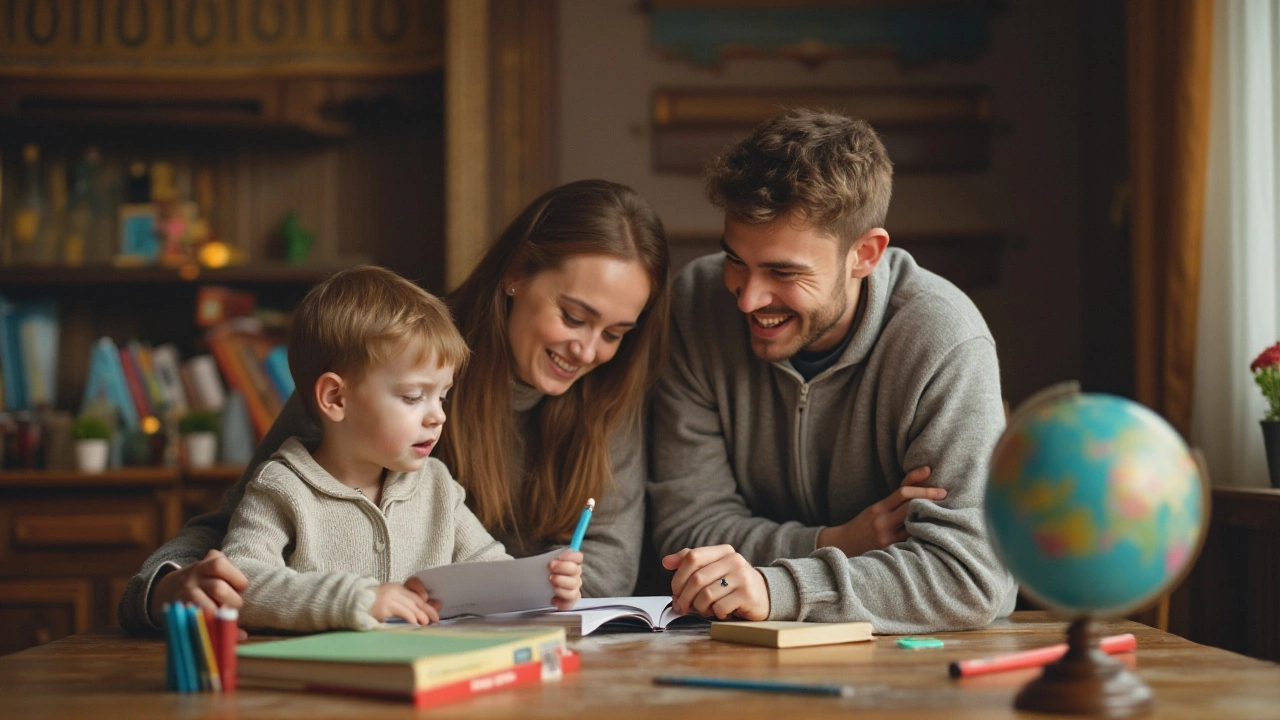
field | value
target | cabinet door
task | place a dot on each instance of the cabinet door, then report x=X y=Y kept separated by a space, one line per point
x=34 y=612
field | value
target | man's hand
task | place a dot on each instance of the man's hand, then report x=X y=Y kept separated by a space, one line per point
x=566 y=578
x=717 y=582
x=208 y=583
x=407 y=601
x=884 y=523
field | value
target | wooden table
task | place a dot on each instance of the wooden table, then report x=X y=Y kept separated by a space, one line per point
x=104 y=675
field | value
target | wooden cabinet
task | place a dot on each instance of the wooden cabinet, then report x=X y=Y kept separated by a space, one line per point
x=70 y=542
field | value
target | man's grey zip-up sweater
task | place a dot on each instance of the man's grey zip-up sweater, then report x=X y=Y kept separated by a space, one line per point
x=314 y=549
x=746 y=452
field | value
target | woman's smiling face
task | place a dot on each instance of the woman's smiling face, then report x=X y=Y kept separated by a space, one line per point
x=567 y=321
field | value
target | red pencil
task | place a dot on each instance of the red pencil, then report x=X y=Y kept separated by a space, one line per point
x=1035 y=658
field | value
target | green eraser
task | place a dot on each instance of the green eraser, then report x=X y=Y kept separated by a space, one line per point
x=919 y=643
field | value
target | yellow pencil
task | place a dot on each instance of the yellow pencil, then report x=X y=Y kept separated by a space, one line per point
x=210 y=661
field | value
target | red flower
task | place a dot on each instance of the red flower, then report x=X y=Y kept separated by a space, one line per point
x=1269 y=358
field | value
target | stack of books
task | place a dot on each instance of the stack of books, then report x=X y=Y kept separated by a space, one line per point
x=428 y=666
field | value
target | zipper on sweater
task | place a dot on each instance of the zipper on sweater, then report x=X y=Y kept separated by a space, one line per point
x=802 y=488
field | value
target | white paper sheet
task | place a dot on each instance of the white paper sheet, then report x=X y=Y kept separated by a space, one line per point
x=485 y=588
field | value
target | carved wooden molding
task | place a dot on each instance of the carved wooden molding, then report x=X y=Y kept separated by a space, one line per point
x=500 y=100
x=127 y=529
x=77 y=594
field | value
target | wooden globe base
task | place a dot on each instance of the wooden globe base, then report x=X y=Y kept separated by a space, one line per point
x=1086 y=681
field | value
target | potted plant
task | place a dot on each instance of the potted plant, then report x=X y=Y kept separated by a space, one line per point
x=1266 y=372
x=92 y=435
x=199 y=430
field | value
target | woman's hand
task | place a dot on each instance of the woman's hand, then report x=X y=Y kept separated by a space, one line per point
x=884 y=523
x=566 y=578
x=717 y=582
x=209 y=583
x=407 y=601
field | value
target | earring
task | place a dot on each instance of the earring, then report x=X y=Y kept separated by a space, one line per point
x=511 y=291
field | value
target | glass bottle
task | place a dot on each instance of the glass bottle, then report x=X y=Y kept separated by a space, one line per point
x=30 y=222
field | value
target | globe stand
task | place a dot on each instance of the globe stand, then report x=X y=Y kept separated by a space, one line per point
x=1086 y=681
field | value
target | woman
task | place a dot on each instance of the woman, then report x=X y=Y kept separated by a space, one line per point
x=566 y=317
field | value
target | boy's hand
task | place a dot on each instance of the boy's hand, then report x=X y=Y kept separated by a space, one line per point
x=433 y=606
x=396 y=600
x=566 y=578
x=717 y=582
x=206 y=583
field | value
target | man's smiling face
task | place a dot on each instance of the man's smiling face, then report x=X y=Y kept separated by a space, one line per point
x=792 y=282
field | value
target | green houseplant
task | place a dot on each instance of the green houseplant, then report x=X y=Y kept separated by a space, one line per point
x=199 y=430
x=92 y=437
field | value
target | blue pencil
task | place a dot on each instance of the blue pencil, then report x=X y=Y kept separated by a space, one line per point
x=756 y=685
x=583 y=521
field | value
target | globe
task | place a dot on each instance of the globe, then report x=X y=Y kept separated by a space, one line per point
x=1094 y=503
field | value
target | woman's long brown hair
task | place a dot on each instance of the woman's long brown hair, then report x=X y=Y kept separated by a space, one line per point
x=570 y=460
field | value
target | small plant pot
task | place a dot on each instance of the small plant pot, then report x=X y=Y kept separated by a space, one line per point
x=1271 y=440
x=202 y=448
x=91 y=455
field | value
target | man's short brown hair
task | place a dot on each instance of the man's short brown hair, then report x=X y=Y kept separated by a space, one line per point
x=359 y=318
x=827 y=169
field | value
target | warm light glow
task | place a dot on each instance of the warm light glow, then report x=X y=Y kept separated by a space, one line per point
x=215 y=254
x=188 y=271
x=150 y=425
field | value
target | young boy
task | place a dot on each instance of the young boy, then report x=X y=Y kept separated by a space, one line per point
x=325 y=535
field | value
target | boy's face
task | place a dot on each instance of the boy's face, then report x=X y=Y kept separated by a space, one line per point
x=566 y=322
x=394 y=414
x=796 y=288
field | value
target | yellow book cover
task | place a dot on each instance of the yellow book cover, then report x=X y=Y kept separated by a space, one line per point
x=787 y=634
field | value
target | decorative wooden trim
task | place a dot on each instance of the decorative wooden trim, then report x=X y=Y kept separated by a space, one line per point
x=117 y=477
x=745 y=107
x=122 y=39
x=467 y=136
x=115 y=529
x=524 y=103
x=923 y=129
x=76 y=593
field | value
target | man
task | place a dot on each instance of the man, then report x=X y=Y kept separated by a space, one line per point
x=794 y=402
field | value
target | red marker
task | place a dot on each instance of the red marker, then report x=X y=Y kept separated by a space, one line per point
x=1035 y=658
x=226 y=619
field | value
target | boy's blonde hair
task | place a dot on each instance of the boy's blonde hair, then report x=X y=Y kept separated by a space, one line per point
x=359 y=318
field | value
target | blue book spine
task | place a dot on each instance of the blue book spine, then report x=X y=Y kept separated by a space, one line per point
x=15 y=384
x=117 y=389
x=277 y=365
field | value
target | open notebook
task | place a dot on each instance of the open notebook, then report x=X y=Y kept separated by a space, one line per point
x=591 y=614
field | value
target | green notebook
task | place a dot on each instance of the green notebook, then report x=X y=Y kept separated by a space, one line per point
x=399 y=660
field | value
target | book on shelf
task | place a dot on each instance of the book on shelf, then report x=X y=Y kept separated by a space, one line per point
x=646 y=613
x=202 y=382
x=787 y=634
x=106 y=381
x=133 y=379
x=28 y=353
x=428 y=665
x=238 y=346
x=166 y=366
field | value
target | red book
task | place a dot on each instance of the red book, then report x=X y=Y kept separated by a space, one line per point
x=133 y=378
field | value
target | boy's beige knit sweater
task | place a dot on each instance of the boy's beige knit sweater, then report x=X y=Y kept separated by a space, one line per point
x=314 y=549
